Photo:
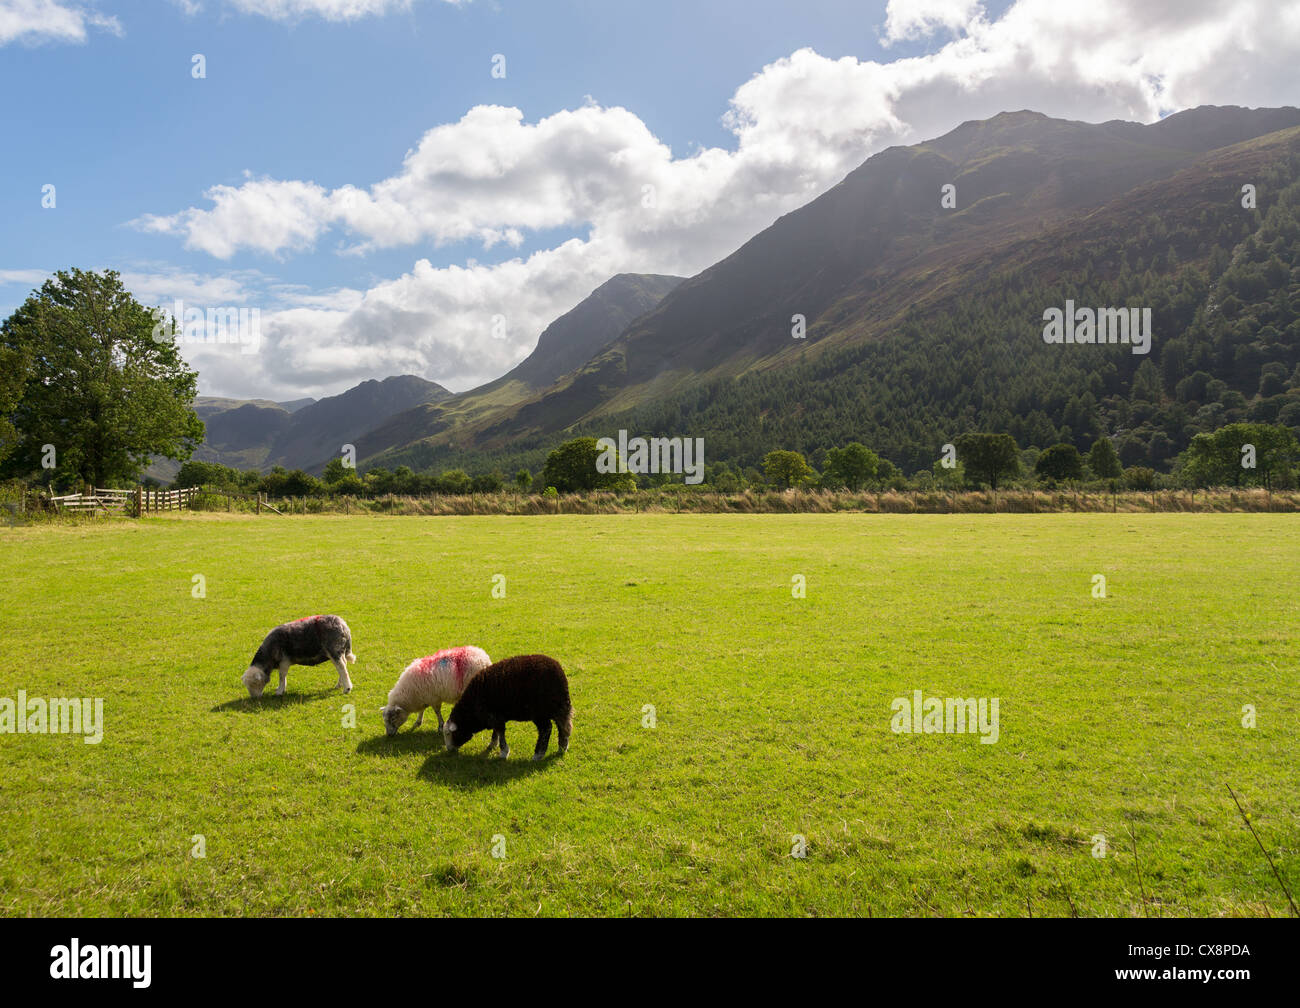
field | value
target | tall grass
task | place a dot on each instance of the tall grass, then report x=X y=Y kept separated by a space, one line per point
x=656 y=501
x=681 y=500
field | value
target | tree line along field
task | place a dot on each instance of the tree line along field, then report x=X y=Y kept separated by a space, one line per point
x=1120 y=717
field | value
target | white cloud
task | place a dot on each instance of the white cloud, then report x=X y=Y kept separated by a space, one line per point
x=330 y=10
x=263 y=214
x=800 y=125
x=34 y=21
x=154 y=285
x=157 y=283
x=916 y=19
x=30 y=278
x=319 y=343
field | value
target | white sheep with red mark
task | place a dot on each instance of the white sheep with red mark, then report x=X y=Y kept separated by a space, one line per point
x=432 y=681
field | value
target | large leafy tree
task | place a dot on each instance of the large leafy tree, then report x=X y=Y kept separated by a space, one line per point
x=988 y=458
x=195 y=473
x=852 y=466
x=103 y=382
x=1217 y=459
x=1103 y=461
x=787 y=469
x=572 y=467
x=335 y=471
x=14 y=365
x=453 y=481
x=1060 y=464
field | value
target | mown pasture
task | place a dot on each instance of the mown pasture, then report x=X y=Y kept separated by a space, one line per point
x=719 y=716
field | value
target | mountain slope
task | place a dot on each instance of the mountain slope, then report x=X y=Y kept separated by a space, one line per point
x=878 y=255
x=317 y=432
x=567 y=343
x=578 y=335
x=880 y=240
x=260 y=434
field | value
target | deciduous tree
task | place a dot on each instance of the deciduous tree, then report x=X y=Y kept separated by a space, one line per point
x=103 y=382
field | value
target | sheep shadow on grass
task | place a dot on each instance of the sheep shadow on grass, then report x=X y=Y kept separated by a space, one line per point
x=468 y=771
x=247 y=705
x=402 y=744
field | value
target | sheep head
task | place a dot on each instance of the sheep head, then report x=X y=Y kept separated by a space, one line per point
x=256 y=680
x=394 y=717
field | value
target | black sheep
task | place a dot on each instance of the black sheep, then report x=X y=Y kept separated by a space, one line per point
x=523 y=688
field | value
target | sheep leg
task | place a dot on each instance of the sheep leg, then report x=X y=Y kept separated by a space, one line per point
x=563 y=740
x=501 y=734
x=437 y=709
x=492 y=744
x=419 y=720
x=284 y=678
x=345 y=680
x=543 y=738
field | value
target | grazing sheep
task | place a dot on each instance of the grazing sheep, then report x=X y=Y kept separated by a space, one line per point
x=524 y=688
x=430 y=682
x=307 y=641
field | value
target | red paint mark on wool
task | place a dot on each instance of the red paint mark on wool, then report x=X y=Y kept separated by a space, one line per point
x=456 y=657
x=303 y=619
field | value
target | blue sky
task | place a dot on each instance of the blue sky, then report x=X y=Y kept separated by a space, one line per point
x=525 y=192
x=123 y=129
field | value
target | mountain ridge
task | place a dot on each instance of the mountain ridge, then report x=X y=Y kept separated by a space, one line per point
x=865 y=253
x=576 y=335
x=261 y=433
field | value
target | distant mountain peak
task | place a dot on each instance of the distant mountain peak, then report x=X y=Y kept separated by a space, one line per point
x=582 y=332
x=259 y=434
x=875 y=256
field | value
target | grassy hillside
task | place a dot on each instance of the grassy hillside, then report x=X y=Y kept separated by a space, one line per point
x=567 y=343
x=772 y=717
x=925 y=322
x=305 y=433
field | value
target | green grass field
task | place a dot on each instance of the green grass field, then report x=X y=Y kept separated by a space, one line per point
x=773 y=716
